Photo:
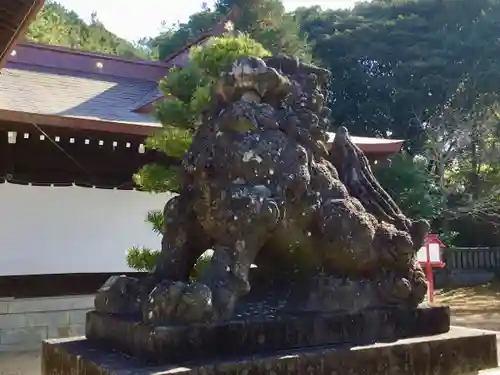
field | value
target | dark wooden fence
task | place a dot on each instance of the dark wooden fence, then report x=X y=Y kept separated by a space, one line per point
x=472 y=258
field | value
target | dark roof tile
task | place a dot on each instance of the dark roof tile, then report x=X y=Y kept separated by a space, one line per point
x=65 y=93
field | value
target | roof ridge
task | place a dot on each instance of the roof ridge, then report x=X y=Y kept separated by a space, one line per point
x=234 y=13
x=106 y=56
x=40 y=55
x=98 y=76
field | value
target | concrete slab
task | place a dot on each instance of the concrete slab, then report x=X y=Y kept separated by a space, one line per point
x=484 y=331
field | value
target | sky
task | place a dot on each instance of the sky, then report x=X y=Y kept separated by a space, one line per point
x=133 y=20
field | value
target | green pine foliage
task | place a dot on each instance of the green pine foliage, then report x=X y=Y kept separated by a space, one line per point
x=189 y=94
x=267 y=22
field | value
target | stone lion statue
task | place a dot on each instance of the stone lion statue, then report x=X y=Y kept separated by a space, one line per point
x=260 y=186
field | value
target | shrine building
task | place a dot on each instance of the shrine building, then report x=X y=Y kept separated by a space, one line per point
x=72 y=132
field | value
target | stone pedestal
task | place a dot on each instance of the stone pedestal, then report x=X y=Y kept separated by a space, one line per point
x=379 y=341
x=459 y=351
x=261 y=336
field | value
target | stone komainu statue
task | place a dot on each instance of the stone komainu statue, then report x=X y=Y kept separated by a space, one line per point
x=259 y=186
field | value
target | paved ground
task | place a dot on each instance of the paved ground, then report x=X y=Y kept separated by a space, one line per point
x=20 y=363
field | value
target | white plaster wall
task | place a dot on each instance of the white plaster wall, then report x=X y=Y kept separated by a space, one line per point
x=51 y=230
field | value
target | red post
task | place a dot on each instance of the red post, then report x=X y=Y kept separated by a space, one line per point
x=428 y=264
x=429 y=274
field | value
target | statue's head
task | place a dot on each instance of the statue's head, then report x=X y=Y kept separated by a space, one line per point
x=251 y=79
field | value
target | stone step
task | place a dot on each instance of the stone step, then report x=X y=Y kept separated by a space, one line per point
x=24 y=305
x=31 y=337
x=25 y=323
x=455 y=352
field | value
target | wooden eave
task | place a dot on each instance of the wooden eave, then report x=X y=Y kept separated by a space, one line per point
x=25 y=120
x=15 y=17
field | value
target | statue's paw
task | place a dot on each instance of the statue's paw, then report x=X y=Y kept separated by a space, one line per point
x=418 y=282
x=394 y=290
x=119 y=295
x=178 y=303
x=418 y=231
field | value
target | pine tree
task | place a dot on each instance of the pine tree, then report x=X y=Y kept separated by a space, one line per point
x=189 y=94
x=59 y=26
x=268 y=22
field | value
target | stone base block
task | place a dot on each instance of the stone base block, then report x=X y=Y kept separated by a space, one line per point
x=460 y=351
x=164 y=344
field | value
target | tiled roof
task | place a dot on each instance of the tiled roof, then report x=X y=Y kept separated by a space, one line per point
x=149 y=98
x=50 y=91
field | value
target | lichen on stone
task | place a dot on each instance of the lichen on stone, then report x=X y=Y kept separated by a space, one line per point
x=261 y=186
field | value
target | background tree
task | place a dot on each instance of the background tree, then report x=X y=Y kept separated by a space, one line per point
x=176 y=36
x=58 y=26
x=189 y=91
x=425 y=71
x=392 y=59
x=457 y=185
x=267 y=22
x=408 y=180
x=462 y=147
x=264 y=20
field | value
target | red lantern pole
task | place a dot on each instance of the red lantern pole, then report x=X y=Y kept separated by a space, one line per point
x=424 y=256
x=429 y=274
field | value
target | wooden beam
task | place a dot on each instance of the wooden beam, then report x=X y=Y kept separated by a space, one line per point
x=32 y=160
x=20 y=119
x=22 y=27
